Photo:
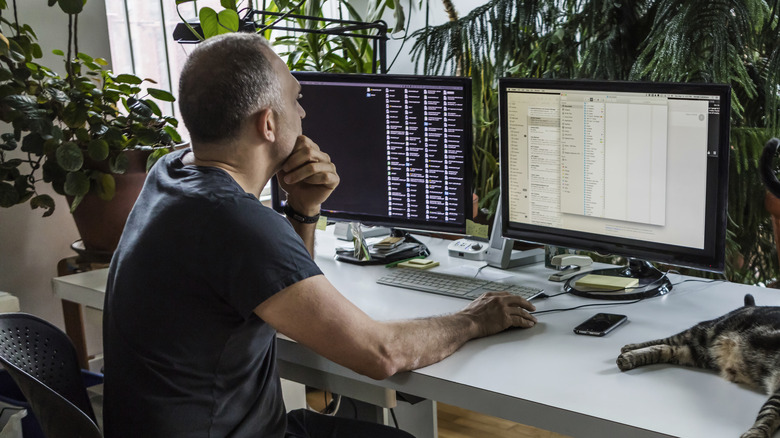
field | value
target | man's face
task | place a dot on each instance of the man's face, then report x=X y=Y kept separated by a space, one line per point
x=290 y=114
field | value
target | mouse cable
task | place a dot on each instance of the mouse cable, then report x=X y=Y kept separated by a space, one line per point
x=566 y=309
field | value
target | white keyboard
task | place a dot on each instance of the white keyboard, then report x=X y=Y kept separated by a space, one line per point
x=452 y=285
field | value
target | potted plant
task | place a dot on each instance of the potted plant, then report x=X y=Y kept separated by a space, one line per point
x=92 y=134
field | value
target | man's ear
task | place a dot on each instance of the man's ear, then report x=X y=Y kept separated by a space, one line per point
x=266 y=124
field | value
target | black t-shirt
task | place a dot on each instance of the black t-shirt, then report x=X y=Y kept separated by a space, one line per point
x=185 y=355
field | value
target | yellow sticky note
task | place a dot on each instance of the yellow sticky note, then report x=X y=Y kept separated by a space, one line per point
x=322 y=223
x=606 y=282
x=476 y=230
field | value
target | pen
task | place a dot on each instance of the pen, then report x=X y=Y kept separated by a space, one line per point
x=392 y=265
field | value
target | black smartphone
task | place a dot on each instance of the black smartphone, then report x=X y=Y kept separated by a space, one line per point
x=600 y=324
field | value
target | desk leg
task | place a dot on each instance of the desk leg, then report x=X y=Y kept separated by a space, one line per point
x=74 y=327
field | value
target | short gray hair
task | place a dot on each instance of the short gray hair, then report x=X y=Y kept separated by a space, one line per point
x=225 y=80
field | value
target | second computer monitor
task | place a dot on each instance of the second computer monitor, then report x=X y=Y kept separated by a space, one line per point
x=628 y=168
x=401 y=145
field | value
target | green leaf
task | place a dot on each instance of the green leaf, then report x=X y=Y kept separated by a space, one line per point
x=8 y=195
x=58 y=52
x=229 y=4
x=98 y=149
x=153 y=106
x=154 y=156
x=45 y=202
x=71 y=6
x=139 y=108
x=128 y=79
x=82 y=135
x=209 y=23
x=69 y=157
x=161 y=95
x=119 y=163
x=180 y=2
x=84 y=57
x=76 y=184
x=173 y=134
x=33 y=143
x=105 y=186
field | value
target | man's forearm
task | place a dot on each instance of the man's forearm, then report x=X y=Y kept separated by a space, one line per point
x=422 y=342
x=306 y=231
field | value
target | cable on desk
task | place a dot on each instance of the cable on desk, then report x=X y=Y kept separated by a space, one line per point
x=606 y=303
x=621 y=302
x=395 y=420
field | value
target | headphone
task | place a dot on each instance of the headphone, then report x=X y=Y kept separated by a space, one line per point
x=765 y=168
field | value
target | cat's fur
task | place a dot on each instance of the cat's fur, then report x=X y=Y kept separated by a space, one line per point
x=743 y=346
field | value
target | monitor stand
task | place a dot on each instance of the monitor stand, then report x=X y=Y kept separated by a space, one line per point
x=500 y=253
x=652 y=282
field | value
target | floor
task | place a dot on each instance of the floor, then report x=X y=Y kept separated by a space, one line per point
x=455 y=422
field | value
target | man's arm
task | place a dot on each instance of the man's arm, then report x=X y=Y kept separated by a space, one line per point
x=308 y=176
x=315 y=314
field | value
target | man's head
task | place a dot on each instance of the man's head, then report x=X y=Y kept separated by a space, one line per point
x=226 y=80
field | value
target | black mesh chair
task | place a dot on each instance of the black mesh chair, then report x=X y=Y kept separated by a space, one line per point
x=42 y=361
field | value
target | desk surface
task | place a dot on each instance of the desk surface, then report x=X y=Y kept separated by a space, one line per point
x=546 y=376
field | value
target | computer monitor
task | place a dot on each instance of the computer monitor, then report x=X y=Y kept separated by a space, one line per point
x=401 y=145
x=626 y=168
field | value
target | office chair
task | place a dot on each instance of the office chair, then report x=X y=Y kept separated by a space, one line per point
x=42 y=361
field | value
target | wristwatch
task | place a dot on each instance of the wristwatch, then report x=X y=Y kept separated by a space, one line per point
x=289 y=212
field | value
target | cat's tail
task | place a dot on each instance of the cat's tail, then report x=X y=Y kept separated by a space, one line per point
x=749 y=300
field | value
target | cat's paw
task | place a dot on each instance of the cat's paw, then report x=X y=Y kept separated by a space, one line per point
x=626 y=362
x=628 y=347
x=755 y=433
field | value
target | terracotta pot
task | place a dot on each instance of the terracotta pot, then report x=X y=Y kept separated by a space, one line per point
x=100 y=223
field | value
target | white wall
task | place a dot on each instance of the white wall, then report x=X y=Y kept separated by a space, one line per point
x=30 y=245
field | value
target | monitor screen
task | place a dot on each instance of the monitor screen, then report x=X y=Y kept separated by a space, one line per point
x=401 y=145
x=625 y=168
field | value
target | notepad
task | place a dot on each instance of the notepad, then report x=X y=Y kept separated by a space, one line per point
x=605 y=282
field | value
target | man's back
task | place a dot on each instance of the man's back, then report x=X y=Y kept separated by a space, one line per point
x=185 y=354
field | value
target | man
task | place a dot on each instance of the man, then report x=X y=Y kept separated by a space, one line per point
x=205 y=275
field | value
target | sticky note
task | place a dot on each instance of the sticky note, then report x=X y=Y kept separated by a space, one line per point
x=605 y=282
x=419 y=264
x=322 y=223
x=476 y=230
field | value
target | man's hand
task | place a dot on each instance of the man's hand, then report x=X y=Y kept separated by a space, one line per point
x=497 y=311
x=308 y=177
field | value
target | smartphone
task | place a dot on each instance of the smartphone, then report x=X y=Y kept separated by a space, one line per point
x=600 y=324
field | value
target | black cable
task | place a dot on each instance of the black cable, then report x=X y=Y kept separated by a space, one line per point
x=395 y=420
x=613 y=303
x=606 y=303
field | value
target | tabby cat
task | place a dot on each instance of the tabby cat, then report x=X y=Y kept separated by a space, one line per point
x=743 y=346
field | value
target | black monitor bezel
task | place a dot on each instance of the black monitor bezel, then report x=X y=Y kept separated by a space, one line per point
x=401 y=223
x=710 y=258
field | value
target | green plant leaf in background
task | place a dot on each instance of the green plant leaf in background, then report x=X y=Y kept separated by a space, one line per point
x=70 y=6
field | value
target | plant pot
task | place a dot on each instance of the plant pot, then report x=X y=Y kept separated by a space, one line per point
x=100 y=223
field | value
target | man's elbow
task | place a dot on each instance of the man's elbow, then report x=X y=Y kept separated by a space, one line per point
x=382 y=364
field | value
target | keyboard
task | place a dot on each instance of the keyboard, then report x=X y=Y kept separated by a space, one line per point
x=452 y=285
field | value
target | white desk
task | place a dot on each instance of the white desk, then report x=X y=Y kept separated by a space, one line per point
x=546 y=376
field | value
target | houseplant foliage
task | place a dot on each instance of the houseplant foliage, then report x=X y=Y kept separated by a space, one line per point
x=305 y=51
x=724 y=41
x=75 y=131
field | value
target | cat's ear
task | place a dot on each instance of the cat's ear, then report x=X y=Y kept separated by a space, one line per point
x=749 y=300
